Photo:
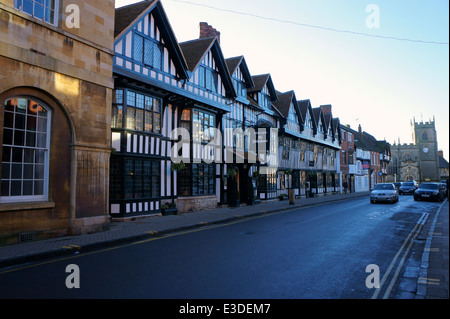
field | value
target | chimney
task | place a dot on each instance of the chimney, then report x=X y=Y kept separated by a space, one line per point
x=359 y=129
x=441 y=153
x=207 y=31
x=326 y=109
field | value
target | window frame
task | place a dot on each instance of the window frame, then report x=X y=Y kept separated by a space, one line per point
x=203 y=138
x=18 y=5
x=189 y=180
x=125 y=110
x=46 y=151
x=208 y=79
x=147 y=49
x=135 y=179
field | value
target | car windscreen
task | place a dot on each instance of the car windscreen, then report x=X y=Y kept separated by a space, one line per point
x=408 y=184
x=383 y=186
x=428 y=186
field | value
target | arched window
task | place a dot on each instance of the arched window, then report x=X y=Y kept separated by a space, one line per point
x=406 y=157
x=25 y=150
x=424 y=136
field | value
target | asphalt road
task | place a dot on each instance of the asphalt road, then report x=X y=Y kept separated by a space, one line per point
x=317 y=252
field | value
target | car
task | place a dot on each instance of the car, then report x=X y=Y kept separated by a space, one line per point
x=444 y=184
x=384 y=192
x=443 y=187
x=407 y=188
x=397 y=184
x=429 y=191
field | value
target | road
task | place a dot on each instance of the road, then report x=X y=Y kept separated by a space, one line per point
x=317 y=252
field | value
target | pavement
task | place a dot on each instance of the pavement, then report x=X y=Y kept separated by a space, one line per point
x=433 y=269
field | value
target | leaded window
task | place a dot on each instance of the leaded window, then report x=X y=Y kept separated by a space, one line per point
x=143 y=112
x=203 y=125
x=208 y=79
x=197 y=179
x=142 y=179
x=147 y=51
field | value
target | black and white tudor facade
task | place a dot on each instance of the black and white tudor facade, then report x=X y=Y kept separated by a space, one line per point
x=185 y=102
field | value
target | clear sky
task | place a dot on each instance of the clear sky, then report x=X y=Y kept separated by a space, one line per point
x=369 y=78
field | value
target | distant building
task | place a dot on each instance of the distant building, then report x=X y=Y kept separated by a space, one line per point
x=443 y=166
x=364 y=159
x=419 y=160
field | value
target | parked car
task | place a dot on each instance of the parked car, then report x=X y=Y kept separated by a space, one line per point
x=407 y=188
x=397 y=184
x=384 y=192
x=444 y=183
x=443 y=187
x=429 y=191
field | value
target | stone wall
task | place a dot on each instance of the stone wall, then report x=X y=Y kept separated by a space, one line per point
x=196 y=203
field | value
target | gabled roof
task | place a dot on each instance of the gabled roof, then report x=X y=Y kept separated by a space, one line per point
x=442 y=162
x=327 y=115
x=305 y=107
x=260 y=81
x=384 y=146
x=364 y=140
x=284 y=103
x=318 y=115
x=336 y=127
x=127 y=16
x=239 y=61
x=371 y=142
x=195 y=50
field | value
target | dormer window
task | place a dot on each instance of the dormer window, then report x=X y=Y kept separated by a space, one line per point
x=240 y=88
x=45 y=10
x=320 y=128
x=293 y=116
x=148 y=52
x=208 y=78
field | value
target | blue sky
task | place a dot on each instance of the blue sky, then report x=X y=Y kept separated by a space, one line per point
x=379 y=83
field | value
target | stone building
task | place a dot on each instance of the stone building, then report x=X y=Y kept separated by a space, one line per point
x=419 y=160
x=443 y=166
x=55 y=96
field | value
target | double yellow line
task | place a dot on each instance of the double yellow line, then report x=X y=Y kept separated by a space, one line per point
x=429 y=281
x=409 y=241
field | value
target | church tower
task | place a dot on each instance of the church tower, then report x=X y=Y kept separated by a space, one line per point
x=425 y=138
